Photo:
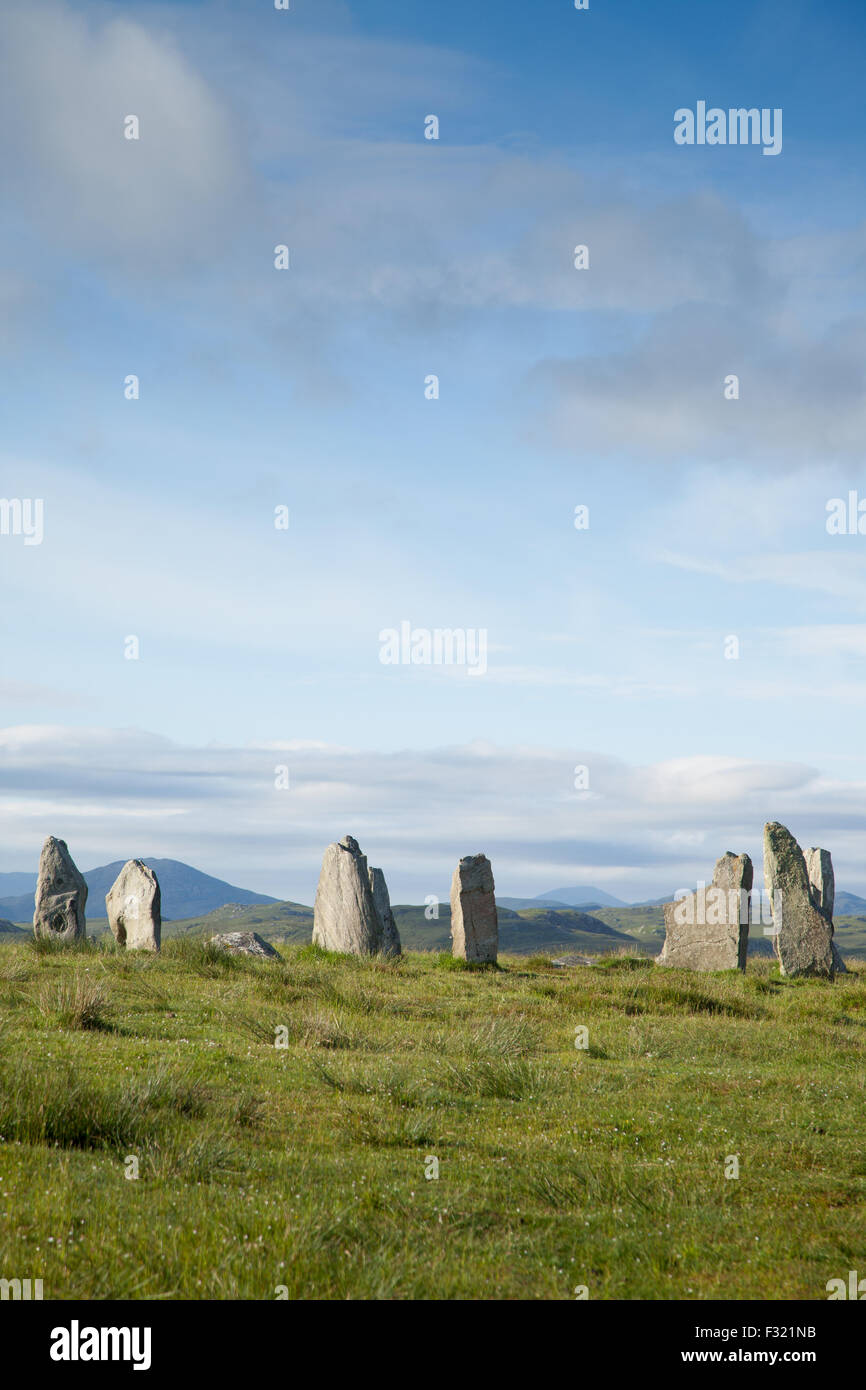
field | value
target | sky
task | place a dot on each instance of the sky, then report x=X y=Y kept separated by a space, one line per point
x=697 y=649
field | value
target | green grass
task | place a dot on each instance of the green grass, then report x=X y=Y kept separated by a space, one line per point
x=304 y=1165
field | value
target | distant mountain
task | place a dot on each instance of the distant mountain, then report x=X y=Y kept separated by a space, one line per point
x=186 y=892
x=13 y=885
x=849 y=905
x=581 y=897
x=520 y=904
x=20 y=909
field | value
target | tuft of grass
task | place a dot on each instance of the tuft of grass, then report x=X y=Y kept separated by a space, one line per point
x=59 y=1108
x=77 y=1002
x=624 y=962
x=445 y=961
x=504 y=1079
x=325 y=1030
x=202 y=957
x=502 y=1037
x=57 y=946
x=541 y=964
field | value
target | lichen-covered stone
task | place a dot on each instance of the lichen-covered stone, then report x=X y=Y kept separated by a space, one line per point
x=381 y=897
x=709 y=929
x=819 y=866
x=803 y=939
x=474 y=921
x=61 y=894
x=245 y=943
x=344 y=913
x=133 y=906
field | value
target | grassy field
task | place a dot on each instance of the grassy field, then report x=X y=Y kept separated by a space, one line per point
x=305 y=1166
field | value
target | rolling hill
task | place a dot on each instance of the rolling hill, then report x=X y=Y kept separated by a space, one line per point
x=523 y=933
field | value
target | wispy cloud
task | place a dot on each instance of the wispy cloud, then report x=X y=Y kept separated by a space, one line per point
x=642 y=830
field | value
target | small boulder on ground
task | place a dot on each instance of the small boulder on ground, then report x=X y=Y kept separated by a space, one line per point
x=245 y=943
x=61 y=894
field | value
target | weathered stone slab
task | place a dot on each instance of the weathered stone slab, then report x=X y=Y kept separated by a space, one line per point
x=819 y=867
x=822 y=880
x=803 y=940
x=344 y=913
x=61 y=894
x=245 y=943
x=381 y=897
x=709 y=929
x=133 y=905
x=474 y=921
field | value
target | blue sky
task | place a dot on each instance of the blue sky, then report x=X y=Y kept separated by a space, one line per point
x=305 y=388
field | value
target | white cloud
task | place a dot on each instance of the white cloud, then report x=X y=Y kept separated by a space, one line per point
x=642 y=831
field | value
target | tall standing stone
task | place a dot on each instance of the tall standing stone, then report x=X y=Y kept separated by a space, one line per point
x=133 y=906
x=381 y=897
x=819 y=867
x=61 y=894
x=803 y=940
x=344 y=913
x=474 y=923
x=709 y=930
x=822 y=880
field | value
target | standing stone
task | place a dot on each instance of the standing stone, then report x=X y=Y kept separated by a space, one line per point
x=132 y=904
x=474 y=923
x=709 y=930
x=344 y=913
x=61 y=894
x=381 y=897
x=819 y=867
x=822 y=880
x=803 y=940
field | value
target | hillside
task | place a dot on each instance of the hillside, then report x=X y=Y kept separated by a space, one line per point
x=548 y=930
x=311 y=1166
x=646 y=925
x=524 y=933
